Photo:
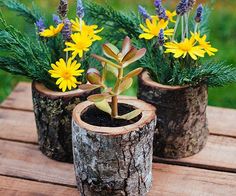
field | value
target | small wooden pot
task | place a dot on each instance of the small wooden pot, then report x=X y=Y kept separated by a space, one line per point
x=53 y=114
x=114 y=161
x=182 y=124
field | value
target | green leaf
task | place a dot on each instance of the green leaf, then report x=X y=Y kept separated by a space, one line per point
x=99 y=97
x=130 y=115
x=133 y=73
x=102 y=59
x=126 y=84
x=111 y=51
x=130 y=54
x=103 y=106
x=94 y=77
x=138 y=56
x=88 y=87
x=126 y=46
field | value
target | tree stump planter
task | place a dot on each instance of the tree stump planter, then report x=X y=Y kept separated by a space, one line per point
x=53 y=114
x=114 y=160
x=182 y=128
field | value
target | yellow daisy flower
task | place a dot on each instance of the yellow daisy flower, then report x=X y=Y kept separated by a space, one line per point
x=153 y=28
x=81 y=44
x=52 y=31
x=204 y=44
x=184 y=48
x=91 y=30
x=171 y=15
x=66 y=73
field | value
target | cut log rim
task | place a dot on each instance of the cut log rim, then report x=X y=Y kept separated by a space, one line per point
x=41 y=88
x=145 y=77
x=148 y=114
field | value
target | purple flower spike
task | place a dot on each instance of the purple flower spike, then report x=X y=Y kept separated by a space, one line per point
x=182 y=7
x=40 y=25
x=80 y=9
x=66 y=31
x=143 y=12
x=161 y=37
x=56 y=19
x=161 y=12
x=191 y=3
x=198 y=17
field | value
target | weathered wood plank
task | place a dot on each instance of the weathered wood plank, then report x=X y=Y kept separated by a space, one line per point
x=25 y=161
x=20 y=98
x=17 y=125
x=219 y=153
x=221 y=121
x=15 y=186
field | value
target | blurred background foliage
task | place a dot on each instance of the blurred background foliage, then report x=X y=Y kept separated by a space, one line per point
x=222 y=36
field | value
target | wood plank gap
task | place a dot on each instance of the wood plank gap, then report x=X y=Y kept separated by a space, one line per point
x=223 y=135
x=19 y=141
x=41 y=181
x=193 y=165
x=15 y=109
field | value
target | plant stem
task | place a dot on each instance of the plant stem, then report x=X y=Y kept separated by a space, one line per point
x=186 y=23
x=114 y=106
x=182 y=27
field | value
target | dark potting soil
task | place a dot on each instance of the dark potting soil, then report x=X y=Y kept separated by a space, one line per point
x=96 y=117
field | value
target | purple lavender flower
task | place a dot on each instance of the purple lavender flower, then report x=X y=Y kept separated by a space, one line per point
x=161 y=12
x=66 y=31
x=63 y=8
x=56 y=19
x=191 y=3
x=182 y=7
x=143 y=12
x=161 y=37
x=40 y=25
x=80 y=9
x=198 y=17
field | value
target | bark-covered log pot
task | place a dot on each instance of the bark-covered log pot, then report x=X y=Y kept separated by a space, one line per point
x=53 y=114
x=113 y=160
x=182 y=128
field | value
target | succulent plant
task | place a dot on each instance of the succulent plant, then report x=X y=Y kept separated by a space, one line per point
x=118 y=60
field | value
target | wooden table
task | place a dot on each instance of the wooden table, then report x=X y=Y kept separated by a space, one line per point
x=25 y=171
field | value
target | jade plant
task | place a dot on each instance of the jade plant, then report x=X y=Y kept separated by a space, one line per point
x=117 y=62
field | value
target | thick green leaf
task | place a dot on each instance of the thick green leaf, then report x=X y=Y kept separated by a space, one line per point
x=138 y=56
x=110 y=51
x=130 y=54
x=103 y=106
x=133 y=73
x=94 y=77
x=98 y=97
x=102 y=59
x=126 y=84
x=88 y=87
x=126 y=46
x=130 y=115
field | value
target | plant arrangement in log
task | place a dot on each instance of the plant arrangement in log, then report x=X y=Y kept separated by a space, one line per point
x=117 y=62
x=113 y=135
x=179 y=70
x=54 y=58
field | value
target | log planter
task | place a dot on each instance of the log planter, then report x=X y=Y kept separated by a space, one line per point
x=182 y=128
x=53 y=114
x=113 y=160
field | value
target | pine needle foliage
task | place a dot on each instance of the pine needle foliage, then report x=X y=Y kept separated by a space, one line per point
x=171 y=72
x=23 y=55
x=31 y=15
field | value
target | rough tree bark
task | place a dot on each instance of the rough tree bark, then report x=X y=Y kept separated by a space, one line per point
x=53 y=114
x=181 y=117
x=114 y=161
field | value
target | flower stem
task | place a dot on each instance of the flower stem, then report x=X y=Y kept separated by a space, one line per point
x=176 y=26
x=196 y=27
x=182 y=26
x=186 y=24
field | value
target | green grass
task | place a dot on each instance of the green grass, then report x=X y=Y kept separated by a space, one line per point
x=223 y=37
